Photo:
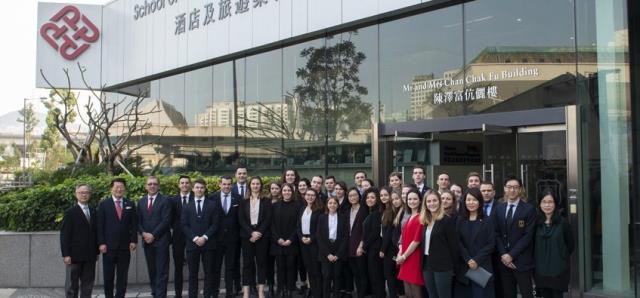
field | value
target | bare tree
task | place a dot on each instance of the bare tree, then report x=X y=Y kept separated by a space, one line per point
x=112 y=125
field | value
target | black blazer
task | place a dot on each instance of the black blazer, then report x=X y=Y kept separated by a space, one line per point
x=117 y=234
x=264 y=219
x=176 y=223
x=517 y=238
x=443 y=246
x=78 y=235
x=355 y=232
x=229 y=228
x=312 y=225
x=389 y=240
x=371 y=228
x=345 y=206
x=339 y=247
x=158 y=222
x=284 y=226
x=479 y=245
x=204 y=225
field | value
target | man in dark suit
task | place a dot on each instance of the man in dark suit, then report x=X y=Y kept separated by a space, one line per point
x=179 y=201
x=515 y=225
x=154 y=220
x=199 y=221
x=358 y=177
x=419 y=175
x=117 y=238
x=79 y=245
x=227 y=238
x=316 y=184
x=241 y=189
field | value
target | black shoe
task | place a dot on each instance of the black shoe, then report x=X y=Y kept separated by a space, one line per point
x=303 y=290
x=271 y=292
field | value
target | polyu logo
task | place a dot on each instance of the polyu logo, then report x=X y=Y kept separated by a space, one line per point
x=69 y=32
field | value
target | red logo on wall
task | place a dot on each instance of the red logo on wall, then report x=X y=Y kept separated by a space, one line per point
x=69 y=32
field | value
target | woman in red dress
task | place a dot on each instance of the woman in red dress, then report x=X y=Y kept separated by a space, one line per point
x=410 y=259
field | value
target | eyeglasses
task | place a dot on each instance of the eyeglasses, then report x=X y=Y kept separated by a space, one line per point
x=512 y=187
x=152 y=183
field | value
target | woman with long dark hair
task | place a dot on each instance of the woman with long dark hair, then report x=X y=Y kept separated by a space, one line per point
x=476 y=240
x=439 y=246
x=332 y=247
x=448 y=200
x=409 y=257
x=307 y=229
x=274 y=196
x=553 y=246
x=291 y=176
x=255 y=220
x=390 y=239
x=372 y=241
x=356 y=253
x=284 y=244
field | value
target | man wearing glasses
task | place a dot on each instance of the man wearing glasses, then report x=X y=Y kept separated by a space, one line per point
x=154 y=221
x=515 y=223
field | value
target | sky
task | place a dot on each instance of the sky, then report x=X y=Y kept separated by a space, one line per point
x=18 y=55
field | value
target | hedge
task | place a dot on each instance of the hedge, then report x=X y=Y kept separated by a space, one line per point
x=41 y=207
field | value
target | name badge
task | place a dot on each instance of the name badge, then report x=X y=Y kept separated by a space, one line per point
x=521 y=223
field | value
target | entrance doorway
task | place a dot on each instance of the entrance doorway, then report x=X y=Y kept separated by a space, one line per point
x=537 y=146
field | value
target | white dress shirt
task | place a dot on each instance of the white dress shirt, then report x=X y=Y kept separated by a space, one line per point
x=306 y=221
x=333 y=226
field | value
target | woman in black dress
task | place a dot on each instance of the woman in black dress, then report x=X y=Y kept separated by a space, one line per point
x=552 y=249
x=390 y=238
x=274 y=196
x=372 y=241
x=308 y=217
x=255 y=224
x=332 y=247
x=284 y=245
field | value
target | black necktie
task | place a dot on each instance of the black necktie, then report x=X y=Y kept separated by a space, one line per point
x=510 y=215
x=184 y=200
x=242 y=190
x=199 y=207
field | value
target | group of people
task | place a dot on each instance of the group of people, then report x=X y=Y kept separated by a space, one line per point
x=397 y=240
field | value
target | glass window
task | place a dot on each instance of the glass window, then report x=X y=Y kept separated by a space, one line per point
x=420 y=56
x=228 y=85
x=198 y=104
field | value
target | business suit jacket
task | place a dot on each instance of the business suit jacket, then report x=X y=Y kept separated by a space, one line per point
x=477 y=246
x=339 y=247
x=229 y=229
x=78 y=235
x=116 y=234
x=177 y=235
x=206 y=224
x=371 y=227
x=236 y=190
x=517 y=238
x=443 y=246
x=158 y=222
x=344 y=207
x=355 y=232
x=264 y=219
x=285 y=226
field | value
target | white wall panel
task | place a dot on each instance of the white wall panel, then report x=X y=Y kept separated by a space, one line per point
x=183 y=38
x=172 y=41
x=389 y=5
x=218 y=35
x=299 y=17
x=197 y=37
x=286 y=7
x=158 y=46
x=113 y=43
x=240 y=29
x=135 y=47
x=265 y=23
x=324 y=13
x=357 y=9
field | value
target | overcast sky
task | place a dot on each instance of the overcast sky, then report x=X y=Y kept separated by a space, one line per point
x=18 y=55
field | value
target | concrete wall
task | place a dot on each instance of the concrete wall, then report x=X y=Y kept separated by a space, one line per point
x=34 y=260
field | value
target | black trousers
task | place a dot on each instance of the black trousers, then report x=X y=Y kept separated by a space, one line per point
x=394 y=285
x=331 y=275
x=194 y=257
x=158 y=268
x=115 y=266
x=254 y=259
x=224 y=252
x=79 y=279
x=309 y=253
x=236 y=274
x=287 y=271
x=347 y=276
x=358 y=266
x=550 y=293
x=376 y=274
x=178 y=251
x=512 y=278
x=271 y=270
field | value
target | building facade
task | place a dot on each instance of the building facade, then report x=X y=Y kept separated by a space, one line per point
x=539 y=89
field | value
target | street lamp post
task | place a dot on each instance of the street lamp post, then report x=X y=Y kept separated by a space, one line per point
x=24 y=128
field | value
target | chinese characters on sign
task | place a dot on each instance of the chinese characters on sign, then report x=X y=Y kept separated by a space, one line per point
x=224 y=11
x=70 y=32
x=469 y=94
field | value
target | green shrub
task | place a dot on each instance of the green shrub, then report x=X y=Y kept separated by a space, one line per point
x=40 y=207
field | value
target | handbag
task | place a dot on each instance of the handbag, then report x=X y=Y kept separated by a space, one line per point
x=480 y=276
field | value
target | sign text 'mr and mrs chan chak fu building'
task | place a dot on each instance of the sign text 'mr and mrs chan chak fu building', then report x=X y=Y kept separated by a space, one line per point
x=543 y=89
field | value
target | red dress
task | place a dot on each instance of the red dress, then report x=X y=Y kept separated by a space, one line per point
x=411 y=270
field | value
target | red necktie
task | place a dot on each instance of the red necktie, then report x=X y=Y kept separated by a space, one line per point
x=150 y=206
x=119 y=209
